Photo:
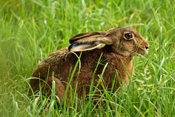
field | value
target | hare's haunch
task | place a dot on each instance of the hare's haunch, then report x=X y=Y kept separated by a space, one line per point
x=121 y=44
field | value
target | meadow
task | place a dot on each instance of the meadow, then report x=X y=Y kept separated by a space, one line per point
x=31 y=29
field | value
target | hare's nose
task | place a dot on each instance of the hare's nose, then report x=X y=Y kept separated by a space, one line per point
x=146 y=47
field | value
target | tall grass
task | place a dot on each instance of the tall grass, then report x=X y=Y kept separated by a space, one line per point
x=31 y=30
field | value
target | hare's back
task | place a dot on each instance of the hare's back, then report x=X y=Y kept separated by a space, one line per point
x=54 y=63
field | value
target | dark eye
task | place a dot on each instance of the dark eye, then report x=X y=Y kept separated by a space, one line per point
x=128 y=35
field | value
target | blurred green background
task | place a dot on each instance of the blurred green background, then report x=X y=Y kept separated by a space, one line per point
x=31 y=29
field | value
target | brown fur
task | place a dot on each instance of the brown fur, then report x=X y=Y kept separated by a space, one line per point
x=117 y=53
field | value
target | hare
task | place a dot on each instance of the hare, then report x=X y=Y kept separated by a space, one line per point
x=120 y=46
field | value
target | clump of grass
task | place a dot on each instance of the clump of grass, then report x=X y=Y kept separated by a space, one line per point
x=31 y=30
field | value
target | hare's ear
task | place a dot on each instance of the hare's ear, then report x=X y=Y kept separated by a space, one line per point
x=88 y=41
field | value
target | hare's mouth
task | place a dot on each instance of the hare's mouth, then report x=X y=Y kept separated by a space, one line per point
x=142 y=51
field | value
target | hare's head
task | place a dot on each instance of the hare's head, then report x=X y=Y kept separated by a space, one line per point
x=123 y=41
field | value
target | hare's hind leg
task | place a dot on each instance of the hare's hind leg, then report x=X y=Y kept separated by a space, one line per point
x=60 y=89
x=46 y=86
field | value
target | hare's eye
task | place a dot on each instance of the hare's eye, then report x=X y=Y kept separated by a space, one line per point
x=128 y=35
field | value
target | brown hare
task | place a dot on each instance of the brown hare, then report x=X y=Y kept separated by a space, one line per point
x=121 y=44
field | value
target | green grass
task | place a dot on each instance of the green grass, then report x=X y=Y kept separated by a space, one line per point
x=31 y=29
